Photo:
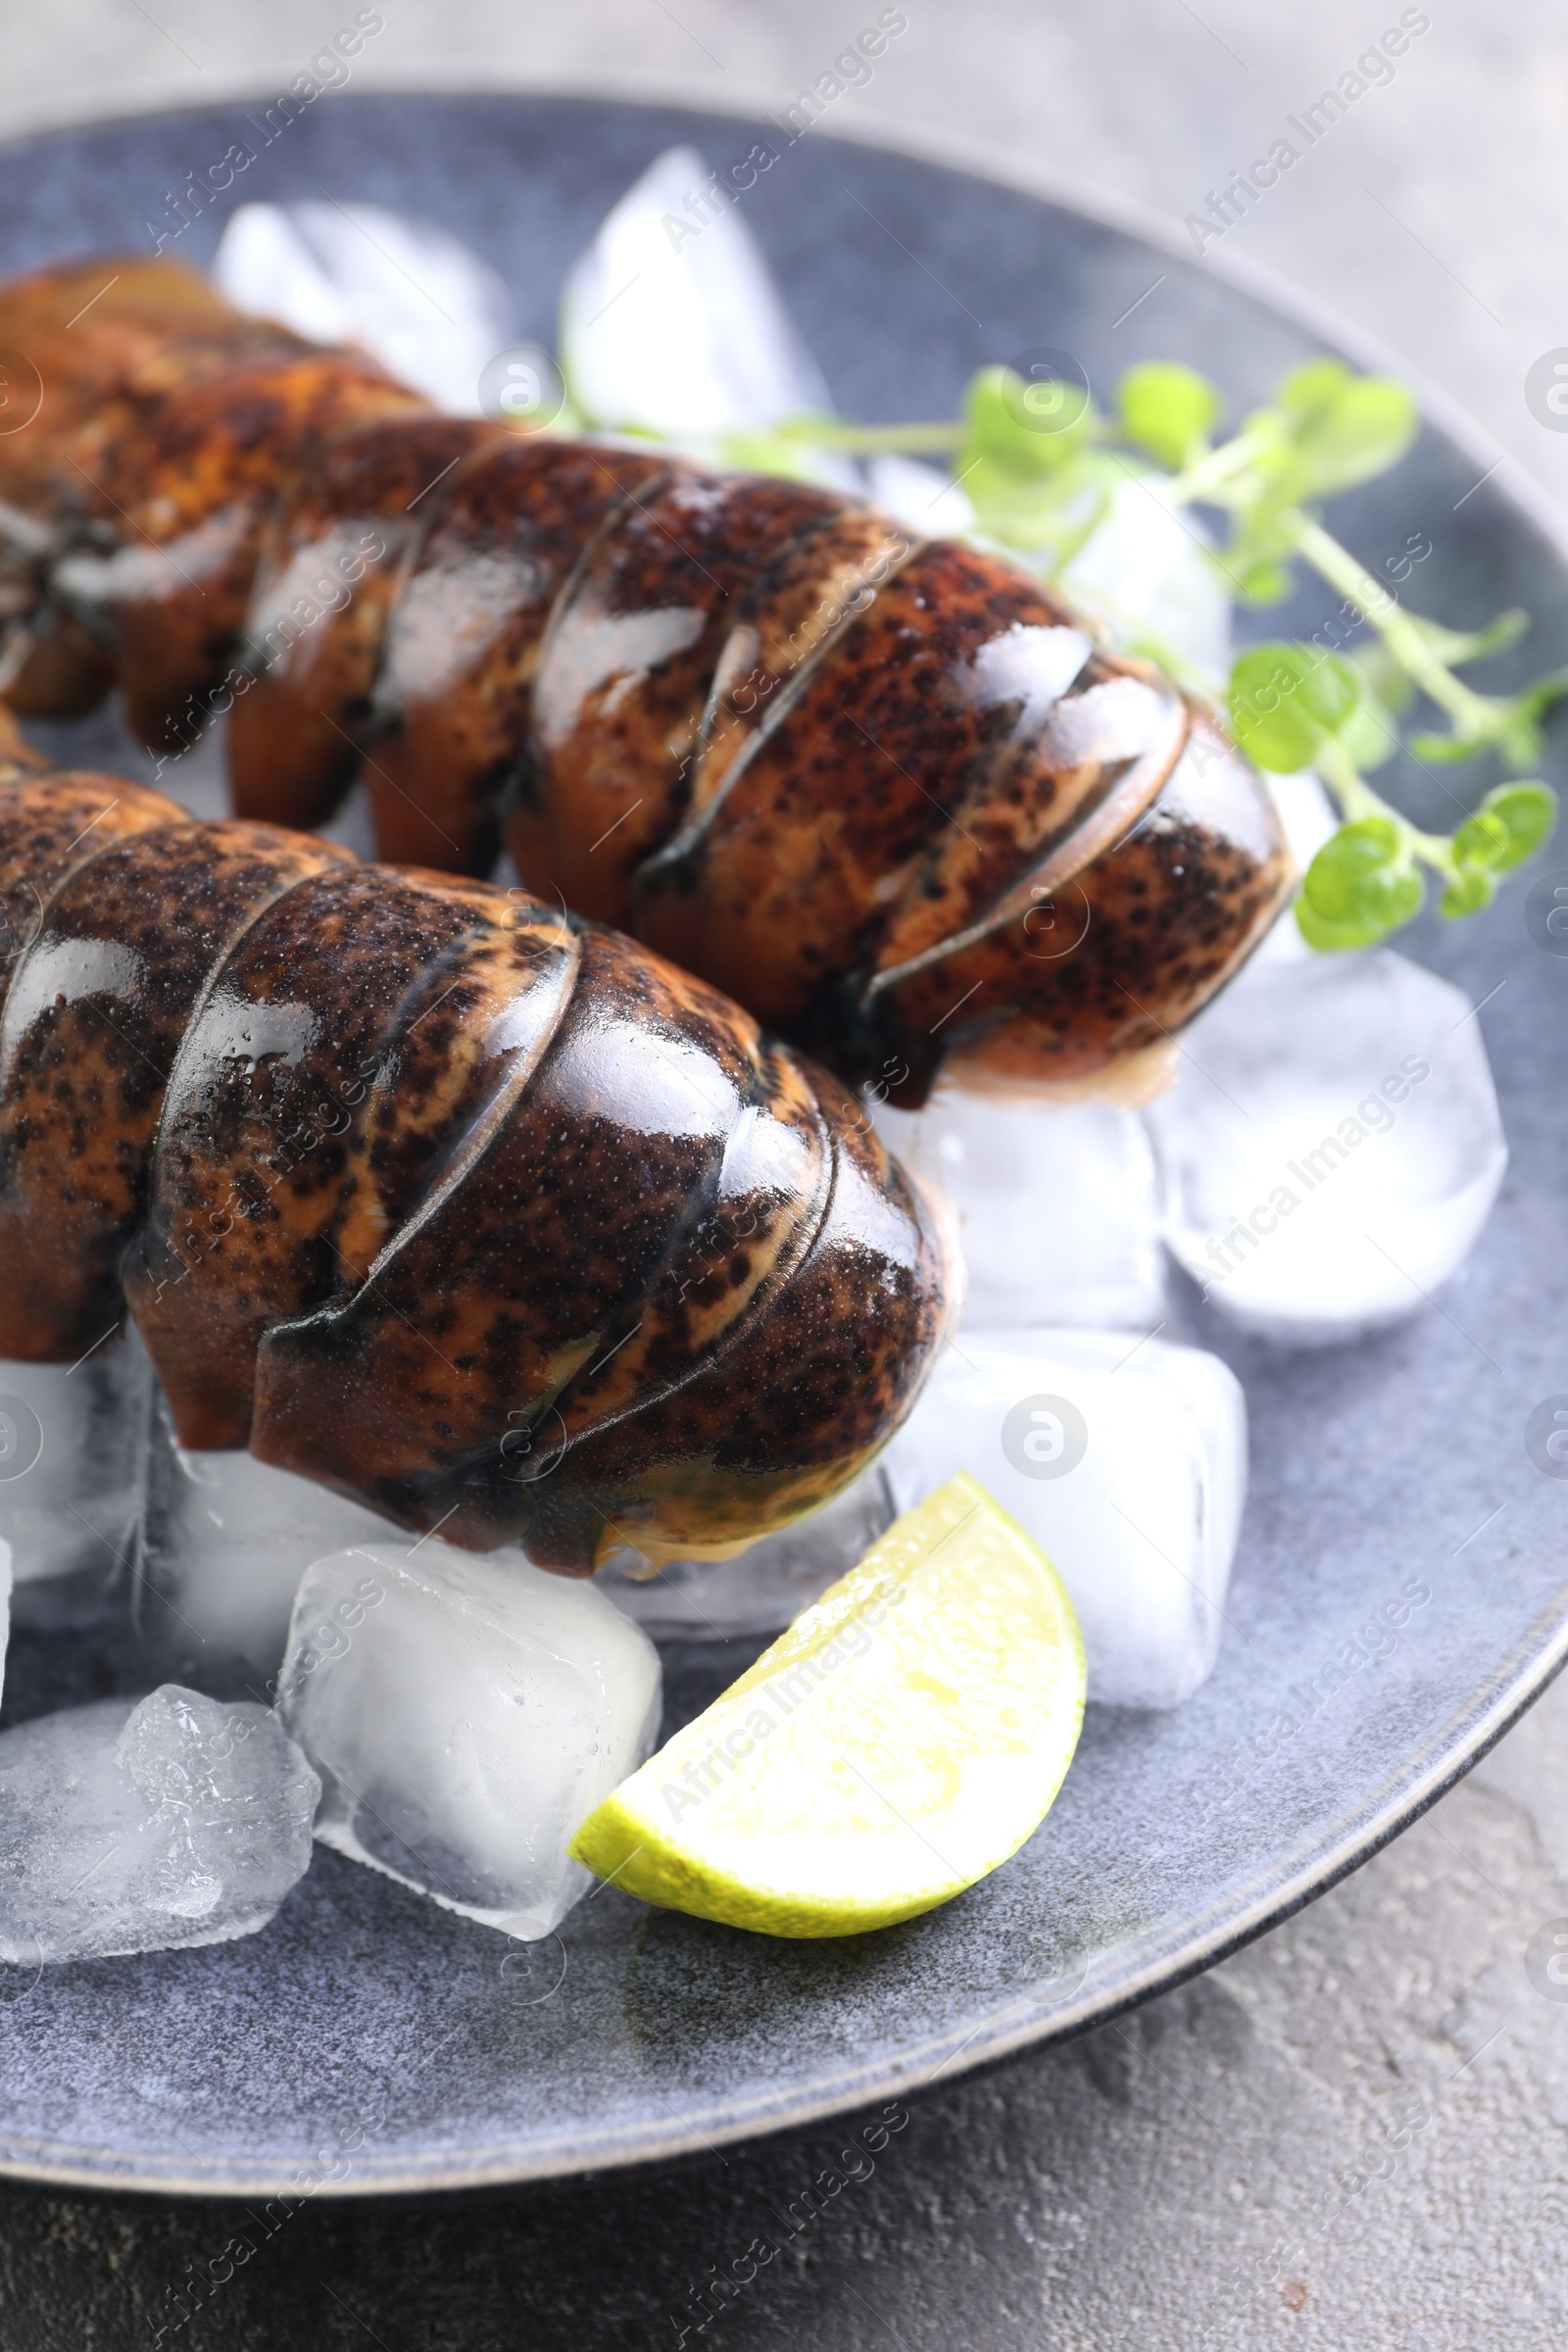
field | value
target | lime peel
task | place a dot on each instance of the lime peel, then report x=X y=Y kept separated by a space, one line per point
x=905 y=1735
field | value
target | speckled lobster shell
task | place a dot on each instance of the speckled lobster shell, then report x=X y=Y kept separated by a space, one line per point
x=484 y=1215
x=882 y=791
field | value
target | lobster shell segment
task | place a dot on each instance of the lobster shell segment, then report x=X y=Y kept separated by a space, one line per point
x=487 y=1216
x=877 y=789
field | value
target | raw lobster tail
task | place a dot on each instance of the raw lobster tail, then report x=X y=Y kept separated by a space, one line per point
x=488 y=1218
x=887 y=791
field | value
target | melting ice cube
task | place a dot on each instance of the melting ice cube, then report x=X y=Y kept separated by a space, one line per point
x=671 y=323
x=1308 y=818
x=413 y=296
x=147 y=1826
x=71 y=1437
x=224 y=1540
x=465 y=1713
x=1125 y=1460
x=921 y=497
x=1059 y=1206
x=1332 y=1147
x=765 y=1588
x=1147 y=571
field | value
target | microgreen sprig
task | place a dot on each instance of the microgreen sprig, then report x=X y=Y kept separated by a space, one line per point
x=1041 y=465
x=1294 y=707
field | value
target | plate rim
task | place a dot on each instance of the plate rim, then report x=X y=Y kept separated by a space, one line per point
x=767 y=2114
x=1541 y=1652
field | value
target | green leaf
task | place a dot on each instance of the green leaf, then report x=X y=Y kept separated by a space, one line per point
x=1521 y=742
x=1346 y=879
x=1286 y=698
x=1169 y=411
x=1273 y=465
x=1344 y=428
x=1044 y=519
x=1509 y=826
x=1482 y=841
x=1262 y=580
x=1467 y=894
x=1530 y=812
x=1329 y=938
x=1026 y=430
x=1027 y=464
x=1362 y=884
x=1449 y=748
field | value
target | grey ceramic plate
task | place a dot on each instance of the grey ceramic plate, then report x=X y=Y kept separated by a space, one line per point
x=368 y=2040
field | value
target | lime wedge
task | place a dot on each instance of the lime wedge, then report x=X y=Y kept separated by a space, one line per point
x=905 y=1735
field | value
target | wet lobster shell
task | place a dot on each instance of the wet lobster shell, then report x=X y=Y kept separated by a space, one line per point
x=488 y=1218
x=889 y=794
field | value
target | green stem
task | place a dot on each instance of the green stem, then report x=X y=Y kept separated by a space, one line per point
x=1064 y=549
x=1204 y=483
x=1471 y=712
x=1359 y=802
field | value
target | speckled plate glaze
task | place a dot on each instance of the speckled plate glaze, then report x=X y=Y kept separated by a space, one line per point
x=368 y=2040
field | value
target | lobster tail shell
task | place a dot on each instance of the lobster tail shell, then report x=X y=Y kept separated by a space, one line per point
x=891 y=794
x=489 y=1219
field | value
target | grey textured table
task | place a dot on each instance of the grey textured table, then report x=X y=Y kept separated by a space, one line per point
x=1351 y=2135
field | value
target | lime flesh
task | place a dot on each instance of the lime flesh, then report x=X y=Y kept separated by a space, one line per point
x=904 y=1736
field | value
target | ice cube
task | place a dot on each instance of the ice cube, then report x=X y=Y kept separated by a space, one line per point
x=223 y=1543
x=763 y=1588
x=1332 y=1147
x=466 y=1712
x=142 y=1826
x=1148 y=573
x=1126 y=1461
x=414 y=297
x=1059 y=1206
x=71 y=1437
x=671 y=322
x=1308 y=818
x=921 y=497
